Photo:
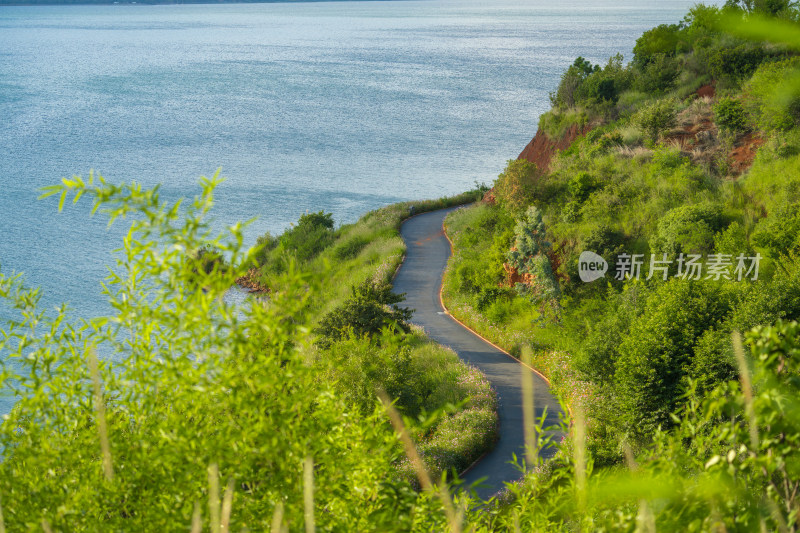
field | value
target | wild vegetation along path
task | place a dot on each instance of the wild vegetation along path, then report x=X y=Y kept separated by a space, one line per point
x=420 y=277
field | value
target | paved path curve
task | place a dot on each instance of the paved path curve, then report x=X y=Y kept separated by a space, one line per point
x=420 y=277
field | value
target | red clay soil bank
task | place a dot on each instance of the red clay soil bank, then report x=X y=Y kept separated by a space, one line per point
x=542 y=148
x=744 y=152
x=707 y=90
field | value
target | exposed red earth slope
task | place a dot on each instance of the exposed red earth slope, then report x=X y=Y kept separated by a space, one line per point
x=542 y=148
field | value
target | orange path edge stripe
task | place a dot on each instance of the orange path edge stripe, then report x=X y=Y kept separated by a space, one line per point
x=441 y=301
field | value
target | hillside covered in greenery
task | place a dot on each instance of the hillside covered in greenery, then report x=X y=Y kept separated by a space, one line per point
x=683 y=177
x=318 y=406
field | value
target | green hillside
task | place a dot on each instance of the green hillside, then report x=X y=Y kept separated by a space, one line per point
x=318 y=407
x=686 y=184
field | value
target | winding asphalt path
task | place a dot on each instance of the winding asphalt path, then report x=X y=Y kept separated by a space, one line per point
x=420 y=277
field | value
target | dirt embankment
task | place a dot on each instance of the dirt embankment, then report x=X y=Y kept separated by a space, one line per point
x=698 y=137
x=542 y=148
x=744 y=152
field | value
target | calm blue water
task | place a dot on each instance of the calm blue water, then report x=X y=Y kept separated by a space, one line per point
x=341 y=106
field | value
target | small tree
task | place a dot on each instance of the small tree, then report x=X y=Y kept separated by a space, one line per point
x=370 y=309
x=729 y=115
x=567 y=93
x=529 y=256
x=655 y=118
x=514 y=188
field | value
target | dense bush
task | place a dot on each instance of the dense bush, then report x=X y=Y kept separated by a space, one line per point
x=195 y=402
x=687 y=229
x=515 y=187
x=581 y=186
x=590 y=86
x=733 y=241
x=656 y=118
x=657 y=42
x=302 y=242
x=779 y=233
x=658 y=75
x=770 y=98
x=361 y=369
x=737 y=63
x=599 y=352
x=729 y=115
x=312 y=234
x=566 y=94
x=658 y=348
x=370 y=310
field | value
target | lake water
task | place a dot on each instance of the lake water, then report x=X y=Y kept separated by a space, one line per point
x=341 y=106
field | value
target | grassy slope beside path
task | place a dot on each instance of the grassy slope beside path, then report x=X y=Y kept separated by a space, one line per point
x=421 y=375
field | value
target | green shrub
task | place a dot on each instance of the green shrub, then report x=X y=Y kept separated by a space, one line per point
x=193 y=394
x=370 y=310
x=465 y=276
x=489 y=295
x=584 y=83
x=567 y=93
x=657 y=42
x=572 y=211
x=564 y=96
x=581 y=186
x=699 y=23
x=515 y=186
x=654 y=355
x=600 y=87
x=599 y=352
x=732 y=241
x=729 y=114
x=601 y=140
x=713 y=361
x=779 y=233
x=208 y=260
x=687 y=229
x=763 y=302
x=306 y=239
x=736 y=63
x=770 y=97
x=658 y=75
x=363 y=368
x=264 y=245
x=656 y=118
